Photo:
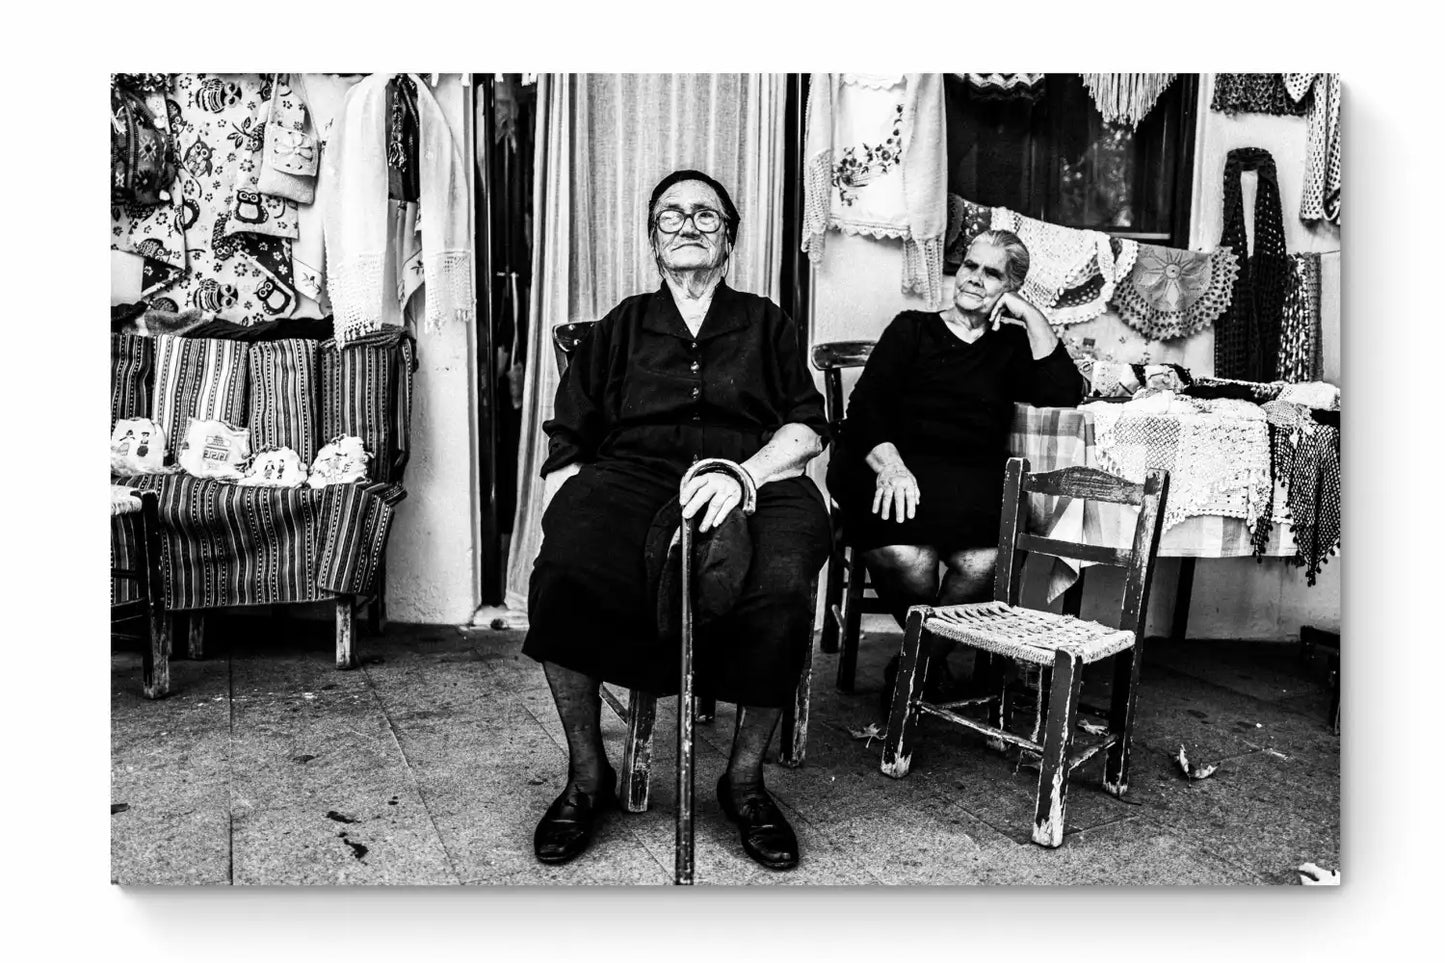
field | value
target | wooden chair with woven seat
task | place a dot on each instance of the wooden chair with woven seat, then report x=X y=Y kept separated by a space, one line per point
x=1058 y=644
x=846 y=597
x=639 y=711
x=136 y=547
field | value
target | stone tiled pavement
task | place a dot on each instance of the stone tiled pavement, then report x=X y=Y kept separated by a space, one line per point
x=431 y=763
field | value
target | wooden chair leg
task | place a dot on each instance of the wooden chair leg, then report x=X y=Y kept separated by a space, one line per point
x=196 y=635
x=851 y=619
x=637 y=751
x=1121 y=721
x=346 y=631
x=833 y=601
x=376 y=611
x=1058 y=741
x=793 y=740
x=1000 y=706
x=902 y=717
x=156 y=667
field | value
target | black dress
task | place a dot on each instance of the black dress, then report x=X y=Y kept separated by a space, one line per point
x=947 y=406
x=641 y=401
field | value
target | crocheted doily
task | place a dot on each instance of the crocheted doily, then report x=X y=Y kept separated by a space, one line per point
x=1062 y=259
x=1172 y=293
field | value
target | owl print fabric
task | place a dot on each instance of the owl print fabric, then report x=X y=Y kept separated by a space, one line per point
x=227 y=247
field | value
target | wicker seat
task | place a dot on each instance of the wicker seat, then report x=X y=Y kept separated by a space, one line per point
x=1047 y=643
x=1026 y=635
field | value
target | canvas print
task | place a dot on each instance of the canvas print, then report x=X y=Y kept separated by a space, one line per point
x=725 y=479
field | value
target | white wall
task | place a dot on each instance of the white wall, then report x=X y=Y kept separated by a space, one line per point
x=856 y=293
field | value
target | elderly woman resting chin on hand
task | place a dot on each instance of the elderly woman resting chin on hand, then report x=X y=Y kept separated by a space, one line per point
x=692 y=370
x=918 y=471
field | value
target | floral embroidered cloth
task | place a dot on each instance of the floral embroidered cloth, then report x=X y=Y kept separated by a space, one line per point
x=876 y=165
x=195 y=257
x=1172 y=293
x=1066 y=259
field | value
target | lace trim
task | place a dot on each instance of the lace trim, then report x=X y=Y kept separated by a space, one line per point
x=449 y=289
x=355 y=284
x=874 y=81
x=817 y=203
x=923 y=268
x=1147 y=311
x=858 y=229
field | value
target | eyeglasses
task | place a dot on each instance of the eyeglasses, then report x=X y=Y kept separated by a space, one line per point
x=705 y=219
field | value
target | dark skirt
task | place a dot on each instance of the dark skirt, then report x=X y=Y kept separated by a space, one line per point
x=959 y=505
x=588 y=603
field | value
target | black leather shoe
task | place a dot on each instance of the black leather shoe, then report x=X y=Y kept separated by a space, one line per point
x=766 y=835
x=566 y=827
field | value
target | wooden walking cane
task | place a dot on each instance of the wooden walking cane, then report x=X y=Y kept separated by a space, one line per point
x=686 y=703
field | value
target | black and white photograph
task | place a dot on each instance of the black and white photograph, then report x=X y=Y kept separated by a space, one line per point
x=725 y=479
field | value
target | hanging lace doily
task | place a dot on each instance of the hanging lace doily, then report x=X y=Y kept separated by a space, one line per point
x=1253 y=94
x=1172 y=293
x=1064 y=260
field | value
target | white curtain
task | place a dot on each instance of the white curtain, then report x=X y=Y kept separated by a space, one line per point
x=603 y=143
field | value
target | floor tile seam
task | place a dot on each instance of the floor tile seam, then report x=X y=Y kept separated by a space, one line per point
x=411 y=774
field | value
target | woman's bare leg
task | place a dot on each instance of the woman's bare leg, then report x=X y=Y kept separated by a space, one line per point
x=904 y=575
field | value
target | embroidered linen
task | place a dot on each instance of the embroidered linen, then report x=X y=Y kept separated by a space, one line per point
x=274 y=467
x=1126 y=98
x=1253 y=93
x=1299 y=330
x=1172 y=293
x=137 y=447
x=214 y=449
x=356 y=213
x=1217 y=452
x=1246 y=336
x=876 y=165
x=342 y=460
x=1321 y=197
x=1064 y=258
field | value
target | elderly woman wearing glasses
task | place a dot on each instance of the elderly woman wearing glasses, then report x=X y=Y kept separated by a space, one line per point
x=692 y=370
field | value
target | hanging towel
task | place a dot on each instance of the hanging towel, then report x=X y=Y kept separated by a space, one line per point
x=1126 y=98
x=356 y=217
x=1321 y=199
x=1246 y=337
x=877 y=165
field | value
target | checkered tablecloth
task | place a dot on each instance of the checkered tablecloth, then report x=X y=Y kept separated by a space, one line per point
x=1053 y=438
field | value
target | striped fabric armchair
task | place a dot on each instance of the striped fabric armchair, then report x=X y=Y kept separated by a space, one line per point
x=225 y=544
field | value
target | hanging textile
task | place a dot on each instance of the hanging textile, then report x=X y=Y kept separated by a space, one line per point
x=154 y=232
x=1171 y=293
x=1126 y=98
x=603 y=141
x=966 y=221
x=1006 y=86
x=876 y=164
x=1305 y=460
x=357 y=221
x=1299 y=331
x=1246 y=336
x=1321 y=198
x=1062 y=259
x=1253 y=94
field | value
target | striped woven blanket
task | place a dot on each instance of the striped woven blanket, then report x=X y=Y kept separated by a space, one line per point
x=224 y=544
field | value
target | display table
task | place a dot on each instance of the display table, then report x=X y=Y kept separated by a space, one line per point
x=1053 y=438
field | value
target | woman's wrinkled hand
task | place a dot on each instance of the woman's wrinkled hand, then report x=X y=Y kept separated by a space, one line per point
x=896 y=492
x=717 y=492
x=553 y=481
x=1010 y=308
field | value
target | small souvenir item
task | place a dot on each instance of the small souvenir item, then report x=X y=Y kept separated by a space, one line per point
x=276 y=468
x=341 y=460
x=214 y=449
x=137 y=447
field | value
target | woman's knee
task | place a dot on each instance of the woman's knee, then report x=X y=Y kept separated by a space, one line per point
x=901 y=558
x=972 y=563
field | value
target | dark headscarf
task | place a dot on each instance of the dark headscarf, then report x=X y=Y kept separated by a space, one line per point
x=731 y=220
